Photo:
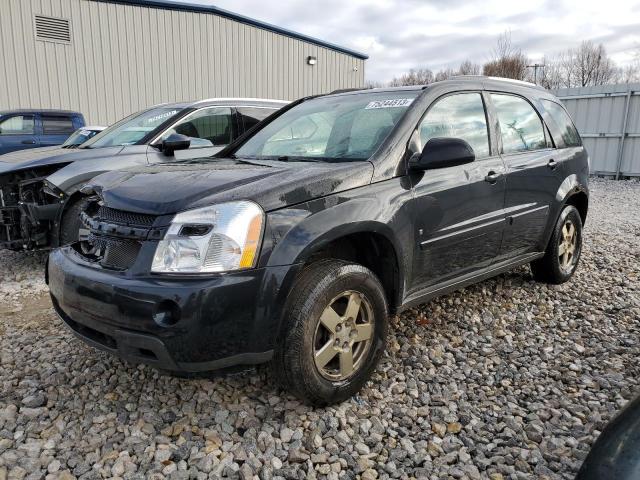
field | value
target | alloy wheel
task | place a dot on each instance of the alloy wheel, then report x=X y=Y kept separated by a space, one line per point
x=567 y=249
x=343 y=336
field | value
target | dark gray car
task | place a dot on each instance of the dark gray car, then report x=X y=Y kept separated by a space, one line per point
x=40 y=191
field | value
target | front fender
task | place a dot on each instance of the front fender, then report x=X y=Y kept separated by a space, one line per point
x=300 y=231
x=294 y=234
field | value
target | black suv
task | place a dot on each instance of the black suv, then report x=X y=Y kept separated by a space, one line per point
x=297 y=241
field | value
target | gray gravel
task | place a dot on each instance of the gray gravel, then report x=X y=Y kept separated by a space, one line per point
x=507 y=379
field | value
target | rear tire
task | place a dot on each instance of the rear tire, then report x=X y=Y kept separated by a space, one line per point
x=70 y=224
x=333 y=334
x=563 y=251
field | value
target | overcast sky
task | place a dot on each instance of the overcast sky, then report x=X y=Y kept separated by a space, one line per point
x=402 y=34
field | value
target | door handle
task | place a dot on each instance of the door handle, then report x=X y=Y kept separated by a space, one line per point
x=28 y=142
x=492 y=177
x=552 y=164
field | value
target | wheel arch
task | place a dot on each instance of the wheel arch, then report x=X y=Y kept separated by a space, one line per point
x=372 y=244
x=573 y=192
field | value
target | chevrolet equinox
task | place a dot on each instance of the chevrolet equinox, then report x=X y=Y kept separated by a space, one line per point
x=296 y=242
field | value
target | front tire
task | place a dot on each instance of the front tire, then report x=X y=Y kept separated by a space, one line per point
x=563 y=251
x=334 y=332
x=70 y=224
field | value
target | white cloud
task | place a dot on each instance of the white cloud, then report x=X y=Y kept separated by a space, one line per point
x=403 y=34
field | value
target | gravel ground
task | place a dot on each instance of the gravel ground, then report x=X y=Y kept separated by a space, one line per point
x=507 y=379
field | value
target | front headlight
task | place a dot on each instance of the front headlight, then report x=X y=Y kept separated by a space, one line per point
x=218 y=238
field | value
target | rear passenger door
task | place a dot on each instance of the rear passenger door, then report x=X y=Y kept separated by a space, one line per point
x=458 y=211
x=533 y=173
x=55 y=129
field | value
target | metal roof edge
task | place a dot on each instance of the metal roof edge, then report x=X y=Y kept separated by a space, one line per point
x=191 y=7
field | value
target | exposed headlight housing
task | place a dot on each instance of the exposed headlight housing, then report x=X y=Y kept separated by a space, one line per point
x=219 y=238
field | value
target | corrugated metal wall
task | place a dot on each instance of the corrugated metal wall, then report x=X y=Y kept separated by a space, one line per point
x=123 y=58
x=599 y=113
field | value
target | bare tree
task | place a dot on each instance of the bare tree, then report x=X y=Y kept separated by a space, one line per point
x=508 y=61
x=422 y=76
x=631 y=72
x=445 y=74
x=469 y=68
x=590 y=65
x=552 y=75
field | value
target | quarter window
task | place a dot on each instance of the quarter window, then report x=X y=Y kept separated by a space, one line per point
x=569 y=134
x=17 y=125
x=458 y=116
x=520 y=126
x=209 y=126
x=56 y=125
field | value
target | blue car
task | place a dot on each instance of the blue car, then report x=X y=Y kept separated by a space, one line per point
x=22 y=129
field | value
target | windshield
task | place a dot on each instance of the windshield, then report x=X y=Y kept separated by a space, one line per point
x=78 y=137
x=132 y=129
x=344 y=127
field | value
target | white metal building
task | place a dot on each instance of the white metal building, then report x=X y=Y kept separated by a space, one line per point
x=109 y=58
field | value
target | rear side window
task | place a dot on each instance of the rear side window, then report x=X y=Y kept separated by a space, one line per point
x=461 y=116
x=17 y=125
x=520 y=126
x=568 y=130
x=56 y=125
x=252 y=115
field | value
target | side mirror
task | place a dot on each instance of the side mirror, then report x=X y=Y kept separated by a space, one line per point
x=174 y=142
x=442 y=152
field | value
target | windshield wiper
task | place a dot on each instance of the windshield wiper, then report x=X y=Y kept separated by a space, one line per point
x=287 y=158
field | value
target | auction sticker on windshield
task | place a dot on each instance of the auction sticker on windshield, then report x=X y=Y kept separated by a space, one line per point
x=392 y=103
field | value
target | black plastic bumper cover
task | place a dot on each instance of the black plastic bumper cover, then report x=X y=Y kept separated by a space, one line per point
x=223 y=320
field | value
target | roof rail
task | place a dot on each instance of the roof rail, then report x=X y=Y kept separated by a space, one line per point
x=345 y=90
x=499 y=79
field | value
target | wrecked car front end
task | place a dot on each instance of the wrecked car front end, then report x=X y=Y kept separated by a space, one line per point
x=30 y=208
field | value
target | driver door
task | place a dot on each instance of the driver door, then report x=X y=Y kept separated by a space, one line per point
x=458 y=210
x=210 y=130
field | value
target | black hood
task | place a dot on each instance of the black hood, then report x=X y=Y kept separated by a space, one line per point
x=36 y=157
x=170 y=188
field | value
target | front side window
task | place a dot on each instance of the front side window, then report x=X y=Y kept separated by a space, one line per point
x=568 y=130
x=17 y=125
x=132 y=129
x=520 y=126
x=334 y=128
x=209 y=126
x=56 y=125
x=461 y=116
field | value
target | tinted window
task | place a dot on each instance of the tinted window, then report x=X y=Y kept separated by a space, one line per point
x=339 y=127
x=570 y=135
x=520 y=126
x=209 y=124
x=458 y=116
x=19 y=124
x=251 y=115
x=56 y=125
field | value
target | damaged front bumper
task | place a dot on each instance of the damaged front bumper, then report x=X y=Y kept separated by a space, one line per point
x=30 y=210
